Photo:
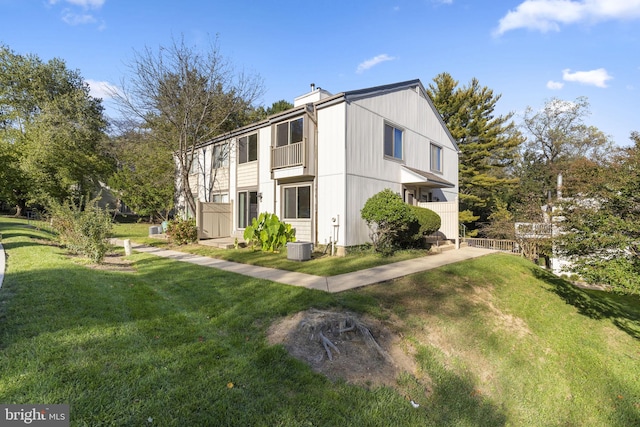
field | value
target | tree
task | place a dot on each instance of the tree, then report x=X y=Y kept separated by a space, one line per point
x=145 y=179
x=488 y=143
x=51 y=131
x=186 y=98
x=556 y=138
x=601 y=229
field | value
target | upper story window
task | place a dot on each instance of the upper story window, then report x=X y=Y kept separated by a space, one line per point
x=392 y=142
x=436 y=158
x=289 y=132
x=221 y=155
x=248 y=148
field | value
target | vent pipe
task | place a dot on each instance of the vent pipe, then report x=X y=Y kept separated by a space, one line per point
x=313 y=87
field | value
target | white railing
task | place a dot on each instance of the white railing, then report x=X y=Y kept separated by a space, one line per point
x=510 y=246
x=288 y=155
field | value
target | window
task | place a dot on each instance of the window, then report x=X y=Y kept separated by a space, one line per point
x=248 y=148
x=436 y=158
x=392 y=142
x=221 y=155
x=220 y=198
x=247 y=207
x=289 y=132
x=297 y=202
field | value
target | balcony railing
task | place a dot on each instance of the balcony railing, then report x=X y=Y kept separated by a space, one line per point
x=289 y=155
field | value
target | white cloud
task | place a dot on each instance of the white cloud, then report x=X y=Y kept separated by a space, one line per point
x=77 y=18
x=78 y=11
x=102 y=90
x=86 y=4
x=548 y=15
x=369 y=63
x=554 y=85
x=597 y=77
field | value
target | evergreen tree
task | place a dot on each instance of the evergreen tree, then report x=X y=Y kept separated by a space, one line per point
x=488 y=143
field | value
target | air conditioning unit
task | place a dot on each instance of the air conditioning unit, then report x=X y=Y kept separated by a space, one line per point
x=299 y=251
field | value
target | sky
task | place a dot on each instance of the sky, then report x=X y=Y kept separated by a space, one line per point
x=526 y=51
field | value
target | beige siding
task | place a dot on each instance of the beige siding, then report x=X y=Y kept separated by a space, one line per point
x=221 y=183
x=247 y=175
x=303 y=229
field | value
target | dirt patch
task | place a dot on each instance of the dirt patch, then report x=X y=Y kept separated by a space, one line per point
x=111 y=262
x=343 y=345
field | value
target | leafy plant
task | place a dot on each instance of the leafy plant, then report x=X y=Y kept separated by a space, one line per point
x=182 y=231
x=392 y=222
x=429 y=221
x=269 y=233
x=82 y=231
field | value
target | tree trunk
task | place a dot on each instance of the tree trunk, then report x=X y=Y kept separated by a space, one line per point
x=21 y=206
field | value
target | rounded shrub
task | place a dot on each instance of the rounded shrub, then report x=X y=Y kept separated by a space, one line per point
x=391 y=221
x=429 y=221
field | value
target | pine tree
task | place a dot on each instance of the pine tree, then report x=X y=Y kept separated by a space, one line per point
x=488 y=143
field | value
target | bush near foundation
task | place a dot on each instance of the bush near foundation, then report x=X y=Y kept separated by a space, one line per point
x=392 y=222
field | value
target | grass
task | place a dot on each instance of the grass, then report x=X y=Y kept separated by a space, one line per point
x=501 y=342
x=320 y=264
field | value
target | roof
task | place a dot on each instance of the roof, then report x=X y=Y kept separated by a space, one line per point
x=417 y=176
x=340 y=97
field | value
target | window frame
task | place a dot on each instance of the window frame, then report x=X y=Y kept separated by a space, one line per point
x=220 y=155
x=395 y=131
x=244 y=207
x=246 y=155
x=301 y=212
x=279 y=142
x=435 y=162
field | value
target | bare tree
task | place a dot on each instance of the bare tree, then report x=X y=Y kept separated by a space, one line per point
x=186 y=97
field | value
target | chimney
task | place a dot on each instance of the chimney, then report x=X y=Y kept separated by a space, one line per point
x=313 y=87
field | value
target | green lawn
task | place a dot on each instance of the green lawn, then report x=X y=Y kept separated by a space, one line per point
x=172 y=344
x=320 y=265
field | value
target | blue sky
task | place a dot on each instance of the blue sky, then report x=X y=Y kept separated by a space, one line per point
x=526 y=50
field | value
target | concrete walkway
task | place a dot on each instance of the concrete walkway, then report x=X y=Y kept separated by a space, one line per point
x=339 y=283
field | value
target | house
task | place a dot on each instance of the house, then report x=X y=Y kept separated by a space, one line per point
x=316 y=165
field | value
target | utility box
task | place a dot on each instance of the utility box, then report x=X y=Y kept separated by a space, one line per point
x=299 y=251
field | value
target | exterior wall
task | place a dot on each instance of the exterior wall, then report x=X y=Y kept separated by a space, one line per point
x=347 y=163
x=247 y=175
x=331 y=178
x=369 y=171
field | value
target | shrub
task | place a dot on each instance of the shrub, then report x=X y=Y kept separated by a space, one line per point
x=429 y=221
x=392 y=222
x=268 y=232
x=182 y=231
x=82 y=231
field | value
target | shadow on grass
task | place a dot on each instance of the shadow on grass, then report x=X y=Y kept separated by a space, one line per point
x=622 y=310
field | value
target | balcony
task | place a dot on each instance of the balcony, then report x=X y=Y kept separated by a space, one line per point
x=291 y=155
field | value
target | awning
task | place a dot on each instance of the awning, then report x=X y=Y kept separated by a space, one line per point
x=417 y=177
